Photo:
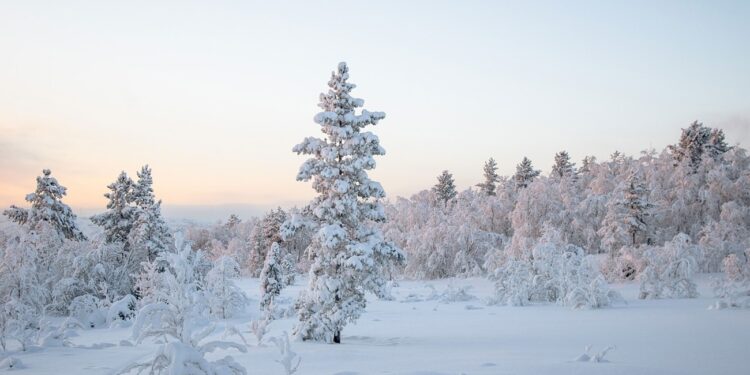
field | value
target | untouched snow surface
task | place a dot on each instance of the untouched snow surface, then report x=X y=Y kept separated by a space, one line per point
x=422 y=332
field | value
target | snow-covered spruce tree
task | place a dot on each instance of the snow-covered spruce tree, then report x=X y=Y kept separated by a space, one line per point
x=149 y=234
x=348 y=251
x=445 y=187
x=224 y=297
x=562 y=167
x=117 y=221
x=271 y=278
x=178 y=319
x=490 y=177
x=525 y=173
x=46 y=206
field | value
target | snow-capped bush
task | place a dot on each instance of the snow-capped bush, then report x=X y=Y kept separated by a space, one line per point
x=86 y=309
x=259 y=328
x=735 y=267
x=731 y=294
x=553 y=272
x=454 y=293
x=289 y=359
x=733 y=288
x=624 y=264
x=11 y=363
x=179 y=318
x=180 y=358
x=272 y=278
x=148 y=283
x=224 y=297
x=20 y=323
x=670 y=270
x=122 y=309
x=598 y=357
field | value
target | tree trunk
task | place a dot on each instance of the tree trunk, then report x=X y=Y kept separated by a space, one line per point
x=337 y=337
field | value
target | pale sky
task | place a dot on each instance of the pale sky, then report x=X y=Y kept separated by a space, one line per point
x=214 y=94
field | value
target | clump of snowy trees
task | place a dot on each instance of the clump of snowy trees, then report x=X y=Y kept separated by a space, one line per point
x=630 y=208
x=553 y=271
x=49 y=267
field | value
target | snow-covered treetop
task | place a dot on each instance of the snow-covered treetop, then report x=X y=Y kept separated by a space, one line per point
x=445 y=187
x=696 y=140
x=143 y=191
x=525 y=173
x=340 y=160
x=117 y=221
x=490 y=177
x=46 y=206
x=562 y=167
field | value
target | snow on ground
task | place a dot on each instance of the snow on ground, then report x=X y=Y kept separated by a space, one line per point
x=430 y=337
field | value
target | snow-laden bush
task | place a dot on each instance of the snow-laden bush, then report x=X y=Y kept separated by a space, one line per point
x=731 y=294
x=670 y=270
x=224 y=297
x=553 y=272
x=179 y=317
x=272 y=277
x=20 y=322
x=122 y=309
x=455 y=293
x=289 y=359
x=11 y=363
x=625 y=264
x=148 y=283
x=259 y=328
x=737 y=268
x=86 y=309
x=734 y=288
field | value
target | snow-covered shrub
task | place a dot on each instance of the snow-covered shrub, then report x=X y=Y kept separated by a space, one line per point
x=272 y=278
x=180 y=358
x=513 y=283
x=259 y=328
x=598 y=357
x=86 y=309
x=21 y=323
x=670 y=270
x=63 y=294
x=179 y=317
x=553 y=272
x=122 y=309
x=148 y=283
x=625 y=264
x=454 y=293
x=731 y=294
x=733 y=288
x=224 y=297
x=289 y=268
x=289 y=359
x=736 y=268
x=11 y=363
